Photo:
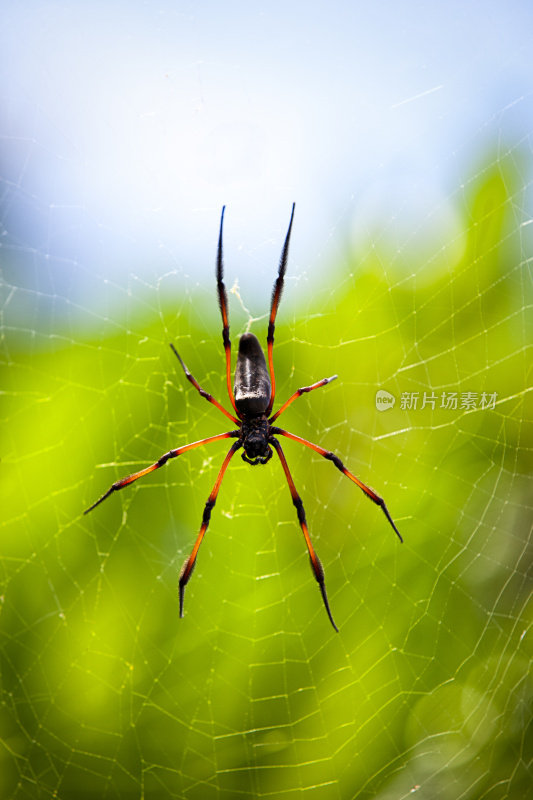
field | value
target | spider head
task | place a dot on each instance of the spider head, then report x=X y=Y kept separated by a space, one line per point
x=265 y=456
x=255 y=432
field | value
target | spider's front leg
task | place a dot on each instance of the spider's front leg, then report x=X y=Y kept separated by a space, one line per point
x=186 y=570
x=159 y=463
x=316 y=565
x=370 y=493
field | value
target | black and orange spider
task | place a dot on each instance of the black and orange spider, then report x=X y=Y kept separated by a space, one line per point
x=252 y=399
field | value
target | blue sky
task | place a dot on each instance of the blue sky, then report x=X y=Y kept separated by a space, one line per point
x=125 y=127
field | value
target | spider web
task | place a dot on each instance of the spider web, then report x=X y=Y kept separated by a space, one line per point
x=420 y=294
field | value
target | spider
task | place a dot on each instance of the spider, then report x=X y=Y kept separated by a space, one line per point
x=252 y=399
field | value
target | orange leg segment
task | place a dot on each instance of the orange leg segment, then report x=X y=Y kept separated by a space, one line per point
x=316 y=565
x=223 y=303
x=338 y=463
x=188 y=566
x=276 y=297
x=159 y=463
x=208 y=397
x=299 y=393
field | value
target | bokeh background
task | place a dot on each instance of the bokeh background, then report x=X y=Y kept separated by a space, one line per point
x=403 y=132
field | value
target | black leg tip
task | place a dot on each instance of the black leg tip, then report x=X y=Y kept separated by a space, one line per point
x=386 y=512
x=326 y=604
x=182 y=596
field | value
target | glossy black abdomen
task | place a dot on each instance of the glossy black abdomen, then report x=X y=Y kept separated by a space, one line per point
x=252 y=382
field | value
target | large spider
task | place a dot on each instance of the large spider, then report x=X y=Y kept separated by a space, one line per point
x=252 y=399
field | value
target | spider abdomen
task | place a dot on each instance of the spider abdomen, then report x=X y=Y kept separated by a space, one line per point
x=252 y=382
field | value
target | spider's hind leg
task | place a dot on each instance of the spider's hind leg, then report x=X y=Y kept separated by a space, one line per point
x=209 y=397
x=223 y=303
x=276 y=297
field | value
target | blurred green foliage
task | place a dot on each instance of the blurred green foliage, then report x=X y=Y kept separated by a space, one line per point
x=106 y=693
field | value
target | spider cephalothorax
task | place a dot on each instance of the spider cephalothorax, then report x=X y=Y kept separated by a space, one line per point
x=255 y=435
x=252 y=399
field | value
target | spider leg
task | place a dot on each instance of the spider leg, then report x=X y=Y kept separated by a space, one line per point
x=223 y=303
x=338 y=463
x=316 y=565
x=188 y=566
x=276 y=297
x=208 y=397
x=299 y=393
x=159 y=463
